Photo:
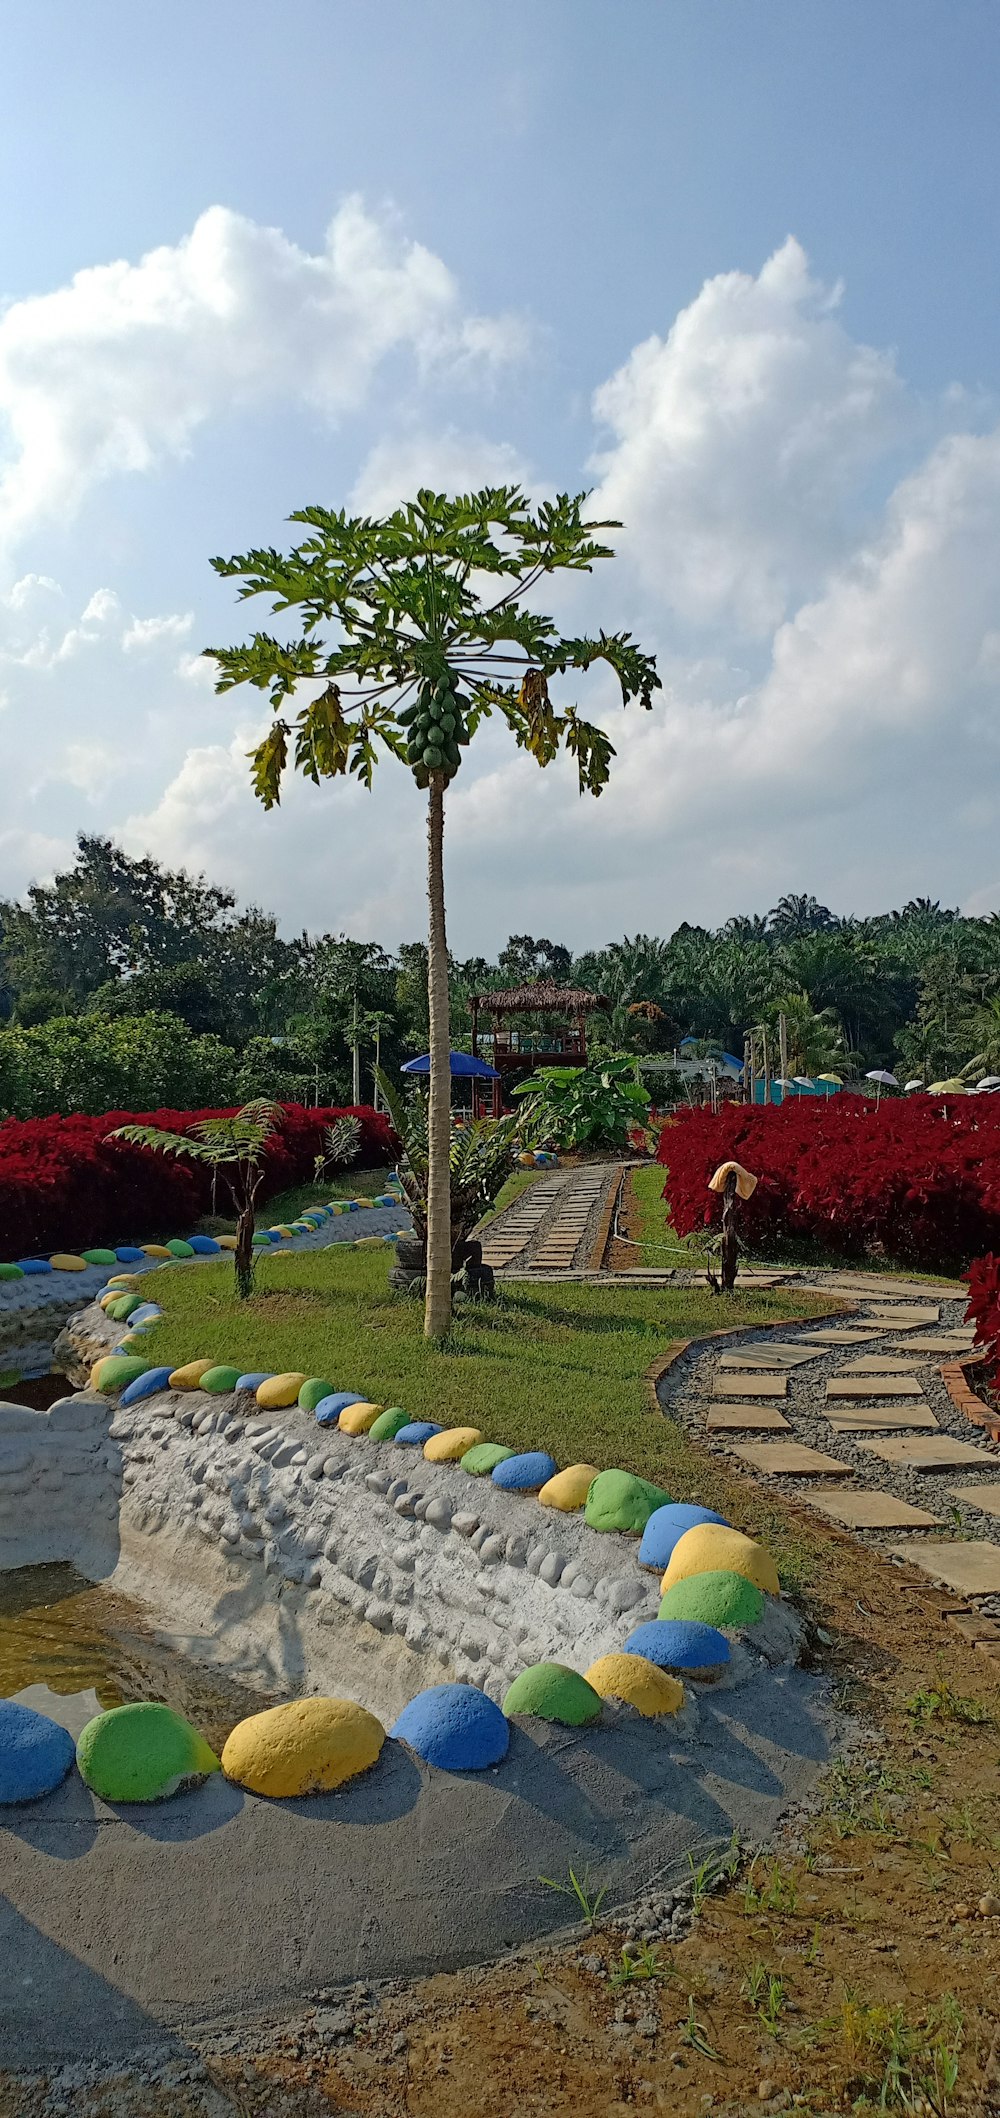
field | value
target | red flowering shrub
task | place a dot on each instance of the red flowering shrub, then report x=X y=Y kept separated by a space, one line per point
x=64 y=1185
x=984 y=1307
x=903 y=1180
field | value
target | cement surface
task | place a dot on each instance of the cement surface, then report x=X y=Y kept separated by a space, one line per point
x=972 y=1568
x=749 y=1385
x=746 y=1419
x=116 y=1923
x=791 y=1459
x=919 y=1455
x=863 y=1510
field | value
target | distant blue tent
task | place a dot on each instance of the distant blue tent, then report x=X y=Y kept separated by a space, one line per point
x=462 y=1063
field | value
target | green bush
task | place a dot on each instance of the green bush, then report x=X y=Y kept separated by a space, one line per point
x=581 y=1106
x=94 y=1063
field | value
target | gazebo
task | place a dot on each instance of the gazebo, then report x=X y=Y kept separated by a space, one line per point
x=529 y=1026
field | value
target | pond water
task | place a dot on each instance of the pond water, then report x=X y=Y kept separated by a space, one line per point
x=69 y=1649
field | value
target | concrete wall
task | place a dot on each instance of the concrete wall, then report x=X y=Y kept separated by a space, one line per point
x=60 y=1485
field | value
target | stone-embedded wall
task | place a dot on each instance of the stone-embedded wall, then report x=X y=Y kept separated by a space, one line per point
x=60 y=1485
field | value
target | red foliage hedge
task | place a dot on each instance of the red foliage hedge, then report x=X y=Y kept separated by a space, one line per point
x=63 y=1186
x=902 y=1181
x=984 y=1307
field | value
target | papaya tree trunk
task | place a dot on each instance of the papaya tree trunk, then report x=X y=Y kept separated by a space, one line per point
x=437 y=1310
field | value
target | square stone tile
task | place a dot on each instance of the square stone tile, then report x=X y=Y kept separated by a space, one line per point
x=873 y=1386
x=746 y=1419
x=863 y=1510
x=903 y=1316
x=985 y=1497
x=844 y=1335
x=882 y=1419
x=777 y=1357
x=914 y=1455
x=950 y=1345
x=748 y=1385
x=973 y=1568
x=882 y=1364
x=791 y=1459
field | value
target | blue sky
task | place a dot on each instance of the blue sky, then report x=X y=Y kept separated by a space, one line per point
x=552 y=228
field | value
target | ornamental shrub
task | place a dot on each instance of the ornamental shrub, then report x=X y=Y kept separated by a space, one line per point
x=912 y=1180
x=64 y=1185
x=984 y=1308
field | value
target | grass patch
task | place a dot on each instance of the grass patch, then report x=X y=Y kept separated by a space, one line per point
x=658 y=1243
x=560 y=1368
x=286 y=1206
x=518 y=1181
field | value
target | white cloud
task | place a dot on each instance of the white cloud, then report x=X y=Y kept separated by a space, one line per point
x=116 y=372
x=450 y=462
x=102 y=609
x=146 y=633
x=28 y=588
x=739 y=443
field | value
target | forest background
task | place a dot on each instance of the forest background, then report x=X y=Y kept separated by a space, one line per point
x=125 y=985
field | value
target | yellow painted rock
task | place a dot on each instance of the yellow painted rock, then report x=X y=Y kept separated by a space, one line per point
x=284 y=1231
x=635 y=1681
x=226 y=1242
x=189 y=1375
x=710 y=1549
x=569 y=1488
x=451 y=1443
x=279 y=1390
x=368 y=1243
x=307 y=1747
x=65 y=1261
x=122 y=1281
x=156 y=1250
x=356 y=1419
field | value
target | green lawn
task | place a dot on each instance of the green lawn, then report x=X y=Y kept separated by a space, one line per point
x=286 y=1206
x=659 y=1243
x=518 y=1181
x=558 y=1368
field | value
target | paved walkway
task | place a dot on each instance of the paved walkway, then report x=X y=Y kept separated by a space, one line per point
x=853 y=1418
x=552 y=1227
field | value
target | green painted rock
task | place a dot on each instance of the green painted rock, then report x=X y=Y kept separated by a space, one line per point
x=483 y=1458
x=179 y=1249
x=100 y=1257
x=11 y=1272
x=387 y=1425
x=313 y=1391
x=141 y=1753
x=726 y=1600
x=116 y=1371
x=552 y=1692
x=220 y=1381
x=123 y=1307
x=619 y=1501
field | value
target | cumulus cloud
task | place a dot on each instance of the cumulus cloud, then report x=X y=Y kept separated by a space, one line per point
x=449 y=461
x=739 y=441
x=145 y=633
x=116 y=372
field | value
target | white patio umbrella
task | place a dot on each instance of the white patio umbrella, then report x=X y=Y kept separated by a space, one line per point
x=909 y=1085
x=882 y=1080
x=989 y=1081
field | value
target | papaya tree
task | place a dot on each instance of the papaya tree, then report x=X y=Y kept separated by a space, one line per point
x=415 y=627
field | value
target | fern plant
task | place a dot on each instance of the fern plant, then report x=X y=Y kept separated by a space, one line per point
x=233 y=1148
x=341 y=1146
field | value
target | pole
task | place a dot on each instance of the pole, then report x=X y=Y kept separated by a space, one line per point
x=356 y=1070
x=783 y=1049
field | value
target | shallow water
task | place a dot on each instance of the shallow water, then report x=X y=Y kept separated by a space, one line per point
x=70 y=1649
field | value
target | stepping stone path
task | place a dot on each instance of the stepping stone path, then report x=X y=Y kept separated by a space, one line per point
x=544 y=1229
x=870 y=1384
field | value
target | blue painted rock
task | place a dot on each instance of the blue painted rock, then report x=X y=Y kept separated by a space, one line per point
x=525 y=1473
x=329 y=1409
x=30 y=1265
x=204 y=1246
x=148 y=1385
x=253 y=1380
x=455 y=1727
x=681 y=1644
x=666 y=1526
x=128 y=1255
x=417 y=1431
x=35 y=1753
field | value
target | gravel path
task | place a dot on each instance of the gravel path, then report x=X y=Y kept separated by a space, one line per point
x=690 y=1386
x=562 y=1235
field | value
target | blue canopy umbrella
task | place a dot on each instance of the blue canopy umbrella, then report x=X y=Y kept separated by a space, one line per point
x=458 y=1063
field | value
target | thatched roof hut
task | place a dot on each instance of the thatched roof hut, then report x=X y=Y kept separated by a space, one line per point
x=542 y=999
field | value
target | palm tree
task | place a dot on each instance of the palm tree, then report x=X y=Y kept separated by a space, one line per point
x=428 y=658
x=800 y=915
x=234 y=1146
x=815 y=1045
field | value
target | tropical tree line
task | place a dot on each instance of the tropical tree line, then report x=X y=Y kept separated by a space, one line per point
x=113 y=941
